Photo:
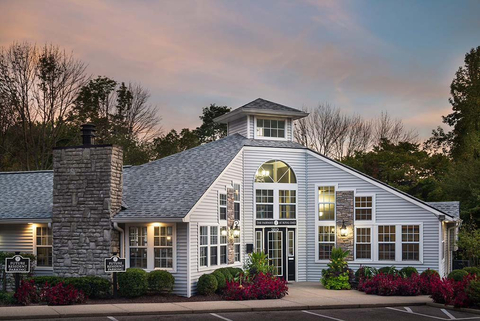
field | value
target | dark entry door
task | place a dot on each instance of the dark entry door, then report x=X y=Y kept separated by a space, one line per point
x=279 y=245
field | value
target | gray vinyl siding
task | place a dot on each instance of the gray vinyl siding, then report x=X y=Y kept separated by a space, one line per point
x=390 y=209
x=289 y=131
x=251 y=128
x=16 y=237
x=254 y=158
x=206 y=213
x=238 y=126
x=181 y=283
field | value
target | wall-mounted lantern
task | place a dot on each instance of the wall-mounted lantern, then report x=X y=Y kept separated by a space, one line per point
x=235 y=228
x=343 y=229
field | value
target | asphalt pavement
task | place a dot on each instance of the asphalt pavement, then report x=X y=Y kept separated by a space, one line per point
x=421 y=313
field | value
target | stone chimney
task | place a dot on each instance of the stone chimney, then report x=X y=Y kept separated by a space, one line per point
x=87 y=193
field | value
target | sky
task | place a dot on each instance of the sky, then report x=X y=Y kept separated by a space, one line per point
x=364 y=57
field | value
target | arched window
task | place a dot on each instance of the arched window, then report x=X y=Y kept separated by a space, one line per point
x=275 y=171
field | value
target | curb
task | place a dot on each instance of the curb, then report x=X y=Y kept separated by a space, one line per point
x=451 y=307
x=246 y=309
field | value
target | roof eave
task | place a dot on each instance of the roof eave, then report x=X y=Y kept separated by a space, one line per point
x=242 y=112
x=147 y=219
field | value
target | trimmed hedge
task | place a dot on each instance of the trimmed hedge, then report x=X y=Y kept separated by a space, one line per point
x=429 y=272
x=389 y=270
x=221 y=280
x=133 y=283
x=207 y=284
x=408 y=271
x=235 y=272
x=93 y=286
x=472 y=270
x=226 y=273
x=51 y=280
x=473 y=291
x=457 y=275
x=160 y=281
x=6 y=298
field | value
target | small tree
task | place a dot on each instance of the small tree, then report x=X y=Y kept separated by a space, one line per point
x=469 y=244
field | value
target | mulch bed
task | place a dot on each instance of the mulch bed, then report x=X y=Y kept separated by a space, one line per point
x=157 y=299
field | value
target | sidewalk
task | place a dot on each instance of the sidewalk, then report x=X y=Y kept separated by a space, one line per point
x=302 y=296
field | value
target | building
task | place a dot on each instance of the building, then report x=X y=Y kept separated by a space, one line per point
x=207 y=207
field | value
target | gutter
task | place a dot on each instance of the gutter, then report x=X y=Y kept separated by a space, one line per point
x=122 y=232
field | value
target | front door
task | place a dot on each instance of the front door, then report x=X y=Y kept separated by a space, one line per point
x=279 y=245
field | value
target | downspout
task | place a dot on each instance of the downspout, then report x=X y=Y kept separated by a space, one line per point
x=121 y=231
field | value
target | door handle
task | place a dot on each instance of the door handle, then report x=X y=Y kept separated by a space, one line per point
x=291 y=258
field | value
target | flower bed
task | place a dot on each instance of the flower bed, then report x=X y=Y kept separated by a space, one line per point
x=259 y=287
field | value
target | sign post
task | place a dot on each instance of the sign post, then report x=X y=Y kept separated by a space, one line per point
x=114 y=265
x=17 y=265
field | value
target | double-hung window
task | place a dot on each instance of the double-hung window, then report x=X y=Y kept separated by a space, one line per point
x=223 y=245
x=236 y=201
x=264 y=203
x=363 y=243
x=203 y=245
x=410 y=242
x=163 y=247
x=287 y=203
x=270 y=128
x=363 y=208
x=325 y=222
x=222 y=206
x=44 y=246
x=138 y=246
x=386 y=243
x=213 y=245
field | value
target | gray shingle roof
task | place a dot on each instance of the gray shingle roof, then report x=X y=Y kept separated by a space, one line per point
x=452 y=208
x=260 y=103
x=26 y=195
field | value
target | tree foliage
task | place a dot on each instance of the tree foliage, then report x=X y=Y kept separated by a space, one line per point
x=210 y=131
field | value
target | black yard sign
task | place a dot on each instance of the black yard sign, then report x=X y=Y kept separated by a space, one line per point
x=115 y=264
x=17 y=264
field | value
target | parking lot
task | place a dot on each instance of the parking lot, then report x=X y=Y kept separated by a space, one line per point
x=374 y=314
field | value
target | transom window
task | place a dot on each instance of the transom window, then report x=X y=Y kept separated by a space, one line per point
x=270 y=128
x=326 y=203
x=386 y=243
x=275 y=171
x=363 y=208
x=410 y=243
x=44 y=246
x=363 y=244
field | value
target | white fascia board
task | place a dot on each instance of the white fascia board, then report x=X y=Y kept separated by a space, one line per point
x=147 y=220
x=378 y=184
x=187 y=217
x=25 y=220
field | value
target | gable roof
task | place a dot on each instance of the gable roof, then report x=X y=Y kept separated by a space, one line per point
x=261 y=107
x=451 y=208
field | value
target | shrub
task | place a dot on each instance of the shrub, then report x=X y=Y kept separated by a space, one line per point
x=207 y=284
x=51 y=280
x=457 y=275
x=472 y=270
x=160 y=281
x=390 y=270
x=226 y=273
x=365 y=272
x=62 y=294
x=26 y=293
x=473 y=291
x=6 y=298
x=338 y=276
x=235 y=272
x=260 y=287
x=388 y=284
x=408 y=271
x=92 y=286
x=133 y=283
x=221 y=280
x=257 y=262
x=429 y=272
x=449 y=291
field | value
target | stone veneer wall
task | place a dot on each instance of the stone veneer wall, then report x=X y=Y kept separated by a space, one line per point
x=87 y=193
x=230 y=221
x=345 y=212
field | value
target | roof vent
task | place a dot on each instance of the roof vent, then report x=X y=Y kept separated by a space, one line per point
x=88 y=134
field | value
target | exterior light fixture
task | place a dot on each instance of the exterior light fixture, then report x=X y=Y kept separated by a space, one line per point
x=235 y=229
x=224 y=232
x=169 y=238
x=343 y=229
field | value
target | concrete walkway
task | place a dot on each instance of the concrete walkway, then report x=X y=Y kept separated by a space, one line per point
x=301 y=296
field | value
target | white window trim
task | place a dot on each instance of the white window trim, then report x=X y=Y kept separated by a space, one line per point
x=34 y=231
x=221 y=221
x=319 y=223
x=150 y=248
x=255 y=136
x=209 y=266
x=240 y=200
x=374 y=206
x=371 y=244
x=262 y=247
x=276 y=187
